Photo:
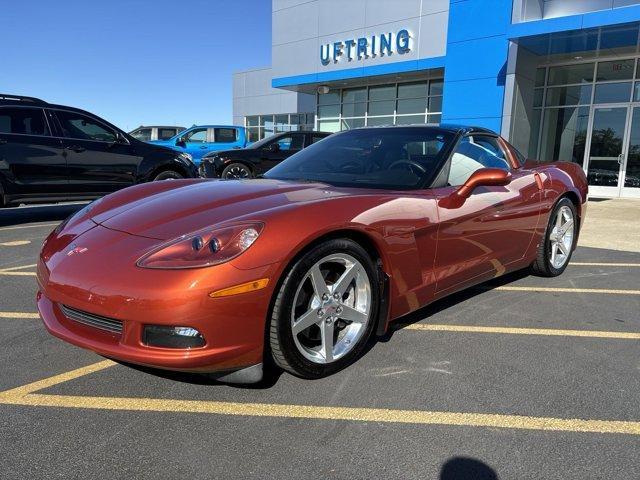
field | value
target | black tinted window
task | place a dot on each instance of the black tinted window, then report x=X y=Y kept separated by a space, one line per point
x=26 y=121
x=474 y=153
x=394 y=158
x=76 y=125
x=225 y=135
x=166 y=133
x=317 y=138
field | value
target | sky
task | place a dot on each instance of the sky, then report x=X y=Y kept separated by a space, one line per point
x=134 y=62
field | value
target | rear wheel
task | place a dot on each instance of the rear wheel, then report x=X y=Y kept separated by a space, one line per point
x=554 y=252
x=236 y=171
x=325 y=310
x=168 y=175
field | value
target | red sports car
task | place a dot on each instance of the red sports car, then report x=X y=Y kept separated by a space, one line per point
x=305 y=265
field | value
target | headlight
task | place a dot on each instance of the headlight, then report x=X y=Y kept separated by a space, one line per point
x=204 y=248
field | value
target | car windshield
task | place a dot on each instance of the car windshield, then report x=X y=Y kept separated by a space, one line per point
x=262 y=142
x=399 y=158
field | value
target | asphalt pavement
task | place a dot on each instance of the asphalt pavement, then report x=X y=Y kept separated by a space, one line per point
x=524 y=377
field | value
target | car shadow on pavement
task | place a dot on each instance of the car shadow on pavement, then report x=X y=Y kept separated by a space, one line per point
x=271 y=376
x=465 y=468
x=37 y=213
x=450 y=301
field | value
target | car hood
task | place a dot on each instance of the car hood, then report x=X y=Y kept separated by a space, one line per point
x=193 y=206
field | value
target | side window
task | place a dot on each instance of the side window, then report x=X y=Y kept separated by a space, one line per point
x=474 y=153
x=76 y=125
x=142 y=134
x=197 y=135
x=166 y=133
x=26 y=121
x=225 y=135
x=291 y=142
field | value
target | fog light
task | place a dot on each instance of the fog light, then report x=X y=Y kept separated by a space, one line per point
x=172 y=337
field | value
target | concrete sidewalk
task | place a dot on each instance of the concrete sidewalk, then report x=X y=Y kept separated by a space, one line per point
x=612 y=224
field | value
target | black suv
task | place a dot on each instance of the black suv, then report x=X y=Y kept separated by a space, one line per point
x=258 y=157
x=57 y=153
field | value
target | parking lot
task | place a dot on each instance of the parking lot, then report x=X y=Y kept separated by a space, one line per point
x=523 y=377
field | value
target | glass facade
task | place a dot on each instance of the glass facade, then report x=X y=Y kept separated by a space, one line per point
x=389 y=104
x=565 y=96
x=261 y=126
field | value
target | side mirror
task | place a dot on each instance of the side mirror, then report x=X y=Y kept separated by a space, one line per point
x=181 y=142
x=483 y=178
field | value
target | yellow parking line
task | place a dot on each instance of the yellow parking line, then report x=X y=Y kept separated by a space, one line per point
x=56 y=379
x=599 y=264
x=18 y=274
x=21 y=267
x=510 y=288
x=19 y=227
x=18 y=315
x=15 y=243
x=522 y=331
x=313 y=412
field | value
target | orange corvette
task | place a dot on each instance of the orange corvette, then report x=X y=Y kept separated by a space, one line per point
x=306 y=265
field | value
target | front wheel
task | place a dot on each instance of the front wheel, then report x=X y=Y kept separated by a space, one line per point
x=325 y=310
x=236 y=171
x=554 y=252
x=168 y=175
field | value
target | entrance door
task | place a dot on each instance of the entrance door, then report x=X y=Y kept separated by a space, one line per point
x=607 y=150
x=630 y=177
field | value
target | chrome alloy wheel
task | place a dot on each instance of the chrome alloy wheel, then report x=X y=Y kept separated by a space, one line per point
x=331 y=308
x=237 y=173
x=561 y=237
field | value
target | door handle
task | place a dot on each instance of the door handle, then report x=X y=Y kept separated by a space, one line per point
x=203 y=147
x=76 y=148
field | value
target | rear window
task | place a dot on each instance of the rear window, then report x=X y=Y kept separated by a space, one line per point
x=142 y=134
x=25 y=121
x=166 y=133
x=225 y=135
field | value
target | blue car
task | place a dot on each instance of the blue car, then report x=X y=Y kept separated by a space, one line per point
x=200 y=140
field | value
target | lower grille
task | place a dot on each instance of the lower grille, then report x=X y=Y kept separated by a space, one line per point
x=95 y=321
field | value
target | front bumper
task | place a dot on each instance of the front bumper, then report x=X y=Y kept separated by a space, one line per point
x=207 y=169
x=104 y=281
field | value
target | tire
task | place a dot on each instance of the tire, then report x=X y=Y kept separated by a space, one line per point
x=349 y=315
x=554 y=253
x=168 y=175
x=236 y=171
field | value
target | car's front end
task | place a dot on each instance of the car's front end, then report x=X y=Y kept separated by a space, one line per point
x=178 y=303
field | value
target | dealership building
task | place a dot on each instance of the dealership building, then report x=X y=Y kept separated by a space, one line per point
x=558 y=78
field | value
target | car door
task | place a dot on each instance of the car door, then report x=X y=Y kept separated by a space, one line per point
x=99 y=159
x=281 y=148
x=482 y=235
x=32 y=161
x=197 y=142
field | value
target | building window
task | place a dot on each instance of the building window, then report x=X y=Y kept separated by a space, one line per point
x=261 y=126
x=563 y=99
x=394 y=104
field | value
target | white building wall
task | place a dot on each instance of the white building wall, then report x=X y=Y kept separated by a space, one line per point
x=301 y=27
x=253 y=95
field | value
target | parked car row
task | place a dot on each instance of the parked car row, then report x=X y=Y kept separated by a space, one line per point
x=51 y=152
